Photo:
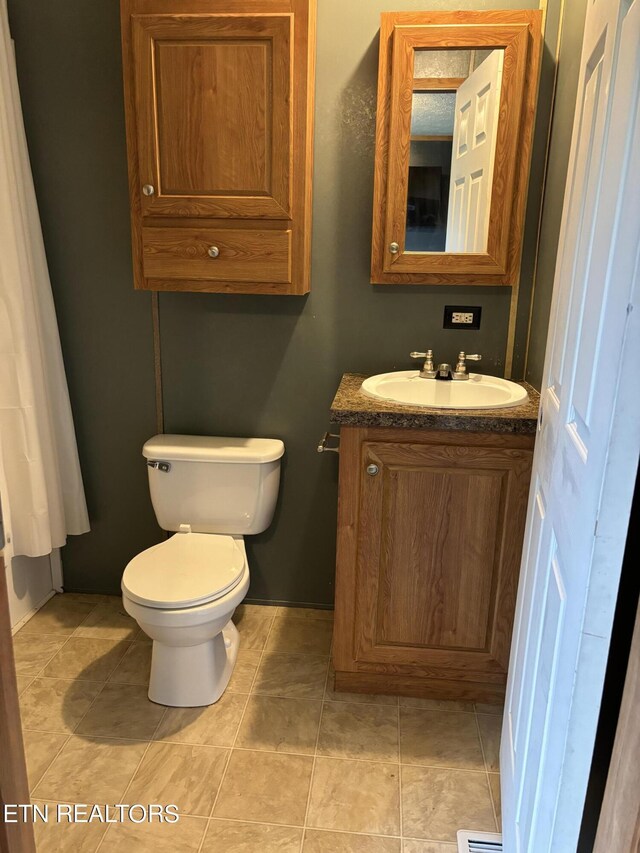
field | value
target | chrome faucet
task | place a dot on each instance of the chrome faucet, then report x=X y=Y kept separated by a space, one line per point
x=428 y=371
x=460 y=373
x=444 y=371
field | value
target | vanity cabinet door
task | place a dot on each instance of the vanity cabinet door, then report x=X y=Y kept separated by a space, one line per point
x=432 y=560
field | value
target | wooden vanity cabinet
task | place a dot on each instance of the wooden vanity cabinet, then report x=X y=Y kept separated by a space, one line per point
x=219 y=107
x=430 y=531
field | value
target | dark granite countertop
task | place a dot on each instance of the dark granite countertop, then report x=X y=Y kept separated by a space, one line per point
x=351 y=407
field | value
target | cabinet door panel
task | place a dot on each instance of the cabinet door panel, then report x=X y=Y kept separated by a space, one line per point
x=235 y=81
x=438 y=542
x=213 y=94
x=439 y=534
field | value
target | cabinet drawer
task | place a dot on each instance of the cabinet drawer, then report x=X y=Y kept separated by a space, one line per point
x=244 y=255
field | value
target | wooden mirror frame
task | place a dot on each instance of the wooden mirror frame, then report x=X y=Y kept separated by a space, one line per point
x=519 y=34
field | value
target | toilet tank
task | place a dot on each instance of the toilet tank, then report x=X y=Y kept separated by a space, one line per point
x=216 y=485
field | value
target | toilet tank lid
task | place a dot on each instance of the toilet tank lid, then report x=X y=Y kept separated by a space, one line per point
x=208 y=448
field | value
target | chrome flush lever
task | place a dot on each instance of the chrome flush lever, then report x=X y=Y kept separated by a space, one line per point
x=165 y=467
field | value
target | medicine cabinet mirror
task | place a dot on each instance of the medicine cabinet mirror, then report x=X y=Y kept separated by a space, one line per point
x=456 y=105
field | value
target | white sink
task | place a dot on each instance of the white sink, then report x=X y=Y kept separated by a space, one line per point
x=478 y=392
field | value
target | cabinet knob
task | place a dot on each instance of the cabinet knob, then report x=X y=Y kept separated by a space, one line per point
x=372 y=470
x=148 y=189
x=394 y=248
x=213 y=251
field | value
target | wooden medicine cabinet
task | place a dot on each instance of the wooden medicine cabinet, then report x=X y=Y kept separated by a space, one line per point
x=219 y=108
x=456 y=105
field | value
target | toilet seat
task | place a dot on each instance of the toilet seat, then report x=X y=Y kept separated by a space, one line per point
x=187 y=570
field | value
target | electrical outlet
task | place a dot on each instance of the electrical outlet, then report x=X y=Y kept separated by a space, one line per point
x=462 y=317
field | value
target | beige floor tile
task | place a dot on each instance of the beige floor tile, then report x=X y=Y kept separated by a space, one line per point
x=87 y=659
x=280 y=725
x=410 y=845
x=188 y=776
x=135 y=666
x=305 y=613
x=355 y=796
x=184 y=836
x=435 y=704
x=108 y=622
x=66 y=837
x=321 y=841
x=141 y=637
x=437 y=803
x=92 y=597
x=60 y=615
x=295 y=676
x=494 y=786
x=254 y=623
x=490 y=731
x=360 y=698
x=215 y=725
x=23 y=682
x=486 y=708
x=40 y=748
x=244 y=671
x=265 y=787
x=91 y=770
x=114 y=600
x=122 y=711
x=350 y=730
x=226 y=836
x=300 y=636
x=32 y=653
x=440 y=739
x=57 y=704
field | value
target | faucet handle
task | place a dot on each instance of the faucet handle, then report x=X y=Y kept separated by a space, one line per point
x=427 y=371
x=461 y=367
x=428 y=358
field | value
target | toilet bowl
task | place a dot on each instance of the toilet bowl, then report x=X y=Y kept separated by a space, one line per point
x=184 y=591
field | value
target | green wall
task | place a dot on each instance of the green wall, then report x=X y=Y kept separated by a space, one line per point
x=558 y=159
x=234 y=365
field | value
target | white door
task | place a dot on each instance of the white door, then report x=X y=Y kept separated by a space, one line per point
x=474 y=145
x=586 y=455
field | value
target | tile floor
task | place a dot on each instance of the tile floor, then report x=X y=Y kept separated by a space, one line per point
x=281 y=763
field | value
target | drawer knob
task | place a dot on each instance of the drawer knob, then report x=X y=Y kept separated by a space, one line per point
x=213 y=251
x=372 y=470
x=148 y=189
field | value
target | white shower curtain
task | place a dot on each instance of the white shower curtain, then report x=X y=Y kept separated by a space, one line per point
x=40 y=480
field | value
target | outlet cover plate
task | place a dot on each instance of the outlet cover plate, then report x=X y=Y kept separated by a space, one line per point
x=462 y=317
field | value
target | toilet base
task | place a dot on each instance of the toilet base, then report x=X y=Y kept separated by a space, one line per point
x=193 y=676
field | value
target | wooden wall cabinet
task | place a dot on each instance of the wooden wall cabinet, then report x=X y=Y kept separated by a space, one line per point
x=430 y=531
x=453 y=145
x=219 y=111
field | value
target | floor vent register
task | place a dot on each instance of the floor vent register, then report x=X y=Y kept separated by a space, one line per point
x=479 y=842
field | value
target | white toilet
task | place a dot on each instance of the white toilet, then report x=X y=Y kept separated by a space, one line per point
x=183 y=592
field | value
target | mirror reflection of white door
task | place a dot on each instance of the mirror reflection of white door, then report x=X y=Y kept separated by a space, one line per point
x=472 y=158
x=586 y=456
